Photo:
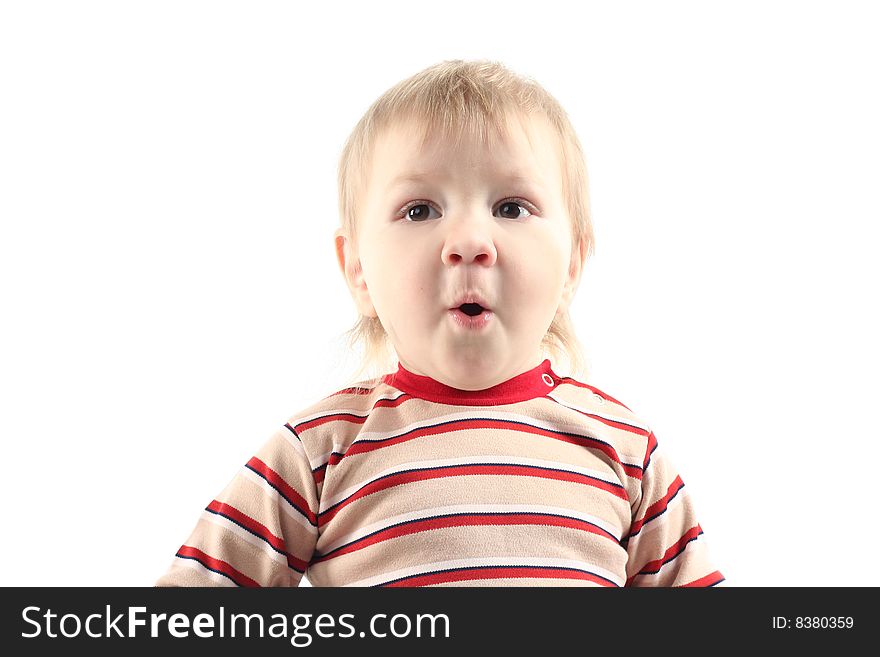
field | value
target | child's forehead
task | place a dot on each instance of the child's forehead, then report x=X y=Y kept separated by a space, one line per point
x=522 y=146
x=476 y=133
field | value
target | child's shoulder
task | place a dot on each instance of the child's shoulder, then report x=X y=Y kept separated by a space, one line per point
x=341 y=413
x=610 y=425
x=575 y=391
x=590 y=391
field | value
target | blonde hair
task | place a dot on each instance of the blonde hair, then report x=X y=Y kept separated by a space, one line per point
x=457 y=100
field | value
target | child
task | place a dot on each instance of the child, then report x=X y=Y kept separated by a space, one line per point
x=465 y=225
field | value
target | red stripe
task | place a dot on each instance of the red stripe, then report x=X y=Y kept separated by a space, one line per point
x=275 y=479
x=350 y=417
x=259 y=529
x=615 y=423
x=334 y=417
x=248 y=523
x=463 y=520
x=670 y=555
x=493 y=572
x=401 y=478
x=658 y=506
x=359 y=447
x=391 y=403
x=709 y=580
x=208 y=561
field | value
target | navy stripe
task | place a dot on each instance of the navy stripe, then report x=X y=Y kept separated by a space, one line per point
x=207 y=567
x=616 y=420
x=287 y=499
x=293 y=431
x=337 y=415
x=456 y=515
x=670 y=559
x=470 y=465
x=657 y=515
x=653 y=449
x=514 y=423
x=260 y=536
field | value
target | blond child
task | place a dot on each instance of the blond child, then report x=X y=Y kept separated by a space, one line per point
x=464 y=228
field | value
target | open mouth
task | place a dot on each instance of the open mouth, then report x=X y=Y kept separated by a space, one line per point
x=471 y=309
x=472 y=316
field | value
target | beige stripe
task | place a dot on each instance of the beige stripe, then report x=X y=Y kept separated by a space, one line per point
x=285 y=506
x=486 y=561
x=469 y=508
x=216 y=578
x=328 y=501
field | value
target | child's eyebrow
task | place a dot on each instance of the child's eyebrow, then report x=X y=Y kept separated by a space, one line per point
x=514 y=178
x=408 y=178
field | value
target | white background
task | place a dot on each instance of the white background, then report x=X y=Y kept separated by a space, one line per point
x=170 y=293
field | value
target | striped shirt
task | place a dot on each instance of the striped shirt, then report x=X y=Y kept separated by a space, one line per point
x=402 y=481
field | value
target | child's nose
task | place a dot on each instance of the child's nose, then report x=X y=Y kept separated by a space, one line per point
x=469 y=241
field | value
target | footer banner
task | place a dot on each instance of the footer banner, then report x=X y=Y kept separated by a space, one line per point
x=433 y=621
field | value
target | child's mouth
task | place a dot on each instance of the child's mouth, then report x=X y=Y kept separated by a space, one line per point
x=471 y=309
x=471 y=316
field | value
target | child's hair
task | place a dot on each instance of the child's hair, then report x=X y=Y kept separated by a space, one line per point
x=458 y=100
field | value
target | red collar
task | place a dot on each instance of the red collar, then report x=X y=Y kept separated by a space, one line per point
x=536 y=382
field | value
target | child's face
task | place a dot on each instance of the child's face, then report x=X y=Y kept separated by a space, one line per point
x=466 y=226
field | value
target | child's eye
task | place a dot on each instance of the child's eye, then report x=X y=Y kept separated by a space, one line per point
x=420 y=211
x=416 y=211
x=512 y=209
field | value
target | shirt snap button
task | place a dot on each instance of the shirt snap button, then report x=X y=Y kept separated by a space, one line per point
x=547 y=379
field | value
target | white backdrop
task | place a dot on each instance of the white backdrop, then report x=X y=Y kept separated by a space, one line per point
x=170 y=293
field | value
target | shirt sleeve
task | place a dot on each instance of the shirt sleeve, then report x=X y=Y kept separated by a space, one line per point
x=665 y=544
x=261 y=529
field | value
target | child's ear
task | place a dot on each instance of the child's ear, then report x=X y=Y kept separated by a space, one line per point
x=350 y=265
